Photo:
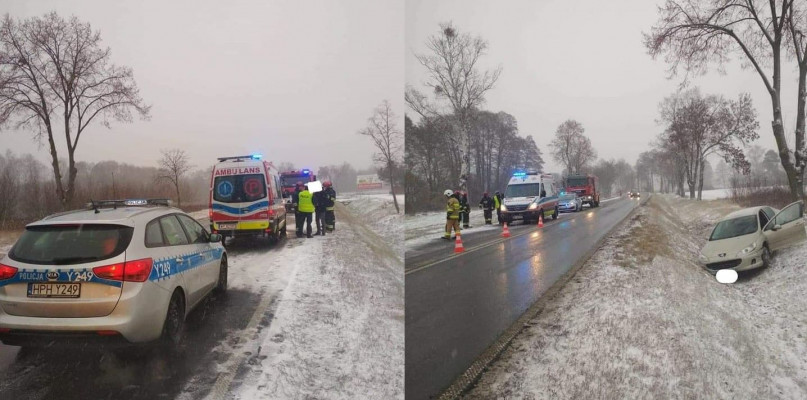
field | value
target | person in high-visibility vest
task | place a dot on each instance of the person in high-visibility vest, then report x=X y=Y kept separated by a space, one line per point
x=452 y=214
x=330 y=202
x=486 y=204
x=306 y=209
x=497 y=204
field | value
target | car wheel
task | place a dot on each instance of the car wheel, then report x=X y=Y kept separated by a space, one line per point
x=174 y=321
x=555 y=214
x=766 y=256
x=221 y=286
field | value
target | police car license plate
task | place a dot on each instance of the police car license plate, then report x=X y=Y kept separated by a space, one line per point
x=230 y=226
x=54 y=289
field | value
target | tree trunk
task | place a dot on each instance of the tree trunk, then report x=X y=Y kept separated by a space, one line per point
x=700 y=180
x=179 y=198
x=392 y=187
x=57 y=173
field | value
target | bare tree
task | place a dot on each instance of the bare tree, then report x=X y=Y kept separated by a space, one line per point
x=699 y=126
x=174 y=165
x=386 y=137
x=694 y=34
x=49 y=65
x=571 y=148
x=453 y=76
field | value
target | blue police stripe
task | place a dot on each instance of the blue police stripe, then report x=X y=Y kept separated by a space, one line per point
x=65 y=275
x=237 y=210
x=165 y=268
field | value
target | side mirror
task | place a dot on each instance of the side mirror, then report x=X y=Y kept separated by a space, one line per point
x=543 y=193
x=776 y=227
x=215 y=237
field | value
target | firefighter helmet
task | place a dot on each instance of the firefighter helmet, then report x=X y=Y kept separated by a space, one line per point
x=448 y=193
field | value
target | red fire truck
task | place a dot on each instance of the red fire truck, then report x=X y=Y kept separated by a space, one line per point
x=587 y=188
x=288 y=180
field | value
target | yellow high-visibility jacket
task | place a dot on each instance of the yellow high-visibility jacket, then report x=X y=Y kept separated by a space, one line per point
x=453 y=208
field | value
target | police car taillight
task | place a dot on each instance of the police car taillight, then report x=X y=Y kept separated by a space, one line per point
x=7 y=272
x=130 y=271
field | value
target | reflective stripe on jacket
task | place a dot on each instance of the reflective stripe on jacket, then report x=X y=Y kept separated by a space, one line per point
x=453 y=208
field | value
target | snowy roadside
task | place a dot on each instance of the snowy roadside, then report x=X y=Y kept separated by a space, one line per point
x=338 y=327
x=377 y=211
x=641 y=320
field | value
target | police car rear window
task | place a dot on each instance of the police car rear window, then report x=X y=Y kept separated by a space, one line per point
x=70 y=244
x=239 y=188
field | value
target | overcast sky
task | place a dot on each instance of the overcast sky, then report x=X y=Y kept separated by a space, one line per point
x=293 y=80
x=580 y=59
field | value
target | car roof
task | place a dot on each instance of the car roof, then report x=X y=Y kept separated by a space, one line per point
x=121 y=215
x=743 y=213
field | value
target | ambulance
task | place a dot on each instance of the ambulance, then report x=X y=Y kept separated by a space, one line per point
x=246 y=198
x=530 y=195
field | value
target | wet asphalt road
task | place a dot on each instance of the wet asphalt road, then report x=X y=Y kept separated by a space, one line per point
x=457 y=306
x=144 y=372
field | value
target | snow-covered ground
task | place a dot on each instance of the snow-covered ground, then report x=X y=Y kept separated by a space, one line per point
x=641 y=320
x=716 y=194
x=378 y=212
x=334 y=307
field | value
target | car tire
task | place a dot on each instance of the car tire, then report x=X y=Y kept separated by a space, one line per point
x=221 y=285
x=555 y=214
x=173 y=327
x=766 y=256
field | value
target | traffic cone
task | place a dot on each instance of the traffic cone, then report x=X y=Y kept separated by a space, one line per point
x=458 y=245
x=505 y=231
x=541 y=220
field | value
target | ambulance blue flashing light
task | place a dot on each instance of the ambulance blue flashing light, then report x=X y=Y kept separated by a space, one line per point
x=256 y=156
x=519 y=174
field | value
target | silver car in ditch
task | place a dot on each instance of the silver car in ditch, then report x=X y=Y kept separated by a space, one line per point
x=745 y=239
x=118 y=272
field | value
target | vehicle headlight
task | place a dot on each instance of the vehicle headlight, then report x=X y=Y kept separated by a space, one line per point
x=503 y=207
x=533 y=206
x=703 y=258
x=747 y=249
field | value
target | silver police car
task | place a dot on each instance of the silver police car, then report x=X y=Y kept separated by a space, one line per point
x=120 y=271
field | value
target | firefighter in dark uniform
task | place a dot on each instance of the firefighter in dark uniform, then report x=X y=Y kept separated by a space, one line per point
x=295 y=202
x=497 y=204
x=306 y=209
x=487 y=205
x=466 y=210
x=330 y=202
x=319 y=209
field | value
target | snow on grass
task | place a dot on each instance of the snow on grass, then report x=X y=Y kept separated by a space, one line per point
x=641 y=320
x=338 y=330
x=716 y=194
x=378 y=212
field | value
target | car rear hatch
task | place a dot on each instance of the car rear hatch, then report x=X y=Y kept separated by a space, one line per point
x=58 y=267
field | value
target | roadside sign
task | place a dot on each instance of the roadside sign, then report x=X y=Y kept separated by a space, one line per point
x=367 y=182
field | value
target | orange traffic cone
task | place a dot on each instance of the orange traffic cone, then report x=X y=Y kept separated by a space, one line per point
x=458 y=245
x=505 y=231
x=541 y=220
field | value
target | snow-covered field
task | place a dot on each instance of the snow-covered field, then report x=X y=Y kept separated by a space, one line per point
x=337 y=323
x=641 y=320
x=716 y=194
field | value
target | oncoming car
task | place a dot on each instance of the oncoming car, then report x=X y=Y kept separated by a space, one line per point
x=634 y=195
x=122 y=271
x=745 y=239
x=570 y=202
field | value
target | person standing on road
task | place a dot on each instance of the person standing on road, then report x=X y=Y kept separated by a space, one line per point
x=330 y=202
x=319 y=208
x=486 y=204
x=452 y=214
x=306 y=207
x=466 y=210
x=295 y=204
x=497 y=204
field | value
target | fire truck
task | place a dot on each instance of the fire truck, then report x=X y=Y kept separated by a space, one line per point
x=587 y=188
x=288 y=180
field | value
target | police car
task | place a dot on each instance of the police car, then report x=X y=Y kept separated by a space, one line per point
x=119 y=271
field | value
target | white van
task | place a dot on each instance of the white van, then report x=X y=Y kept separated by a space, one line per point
x=246 y=198
x=528 y=196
